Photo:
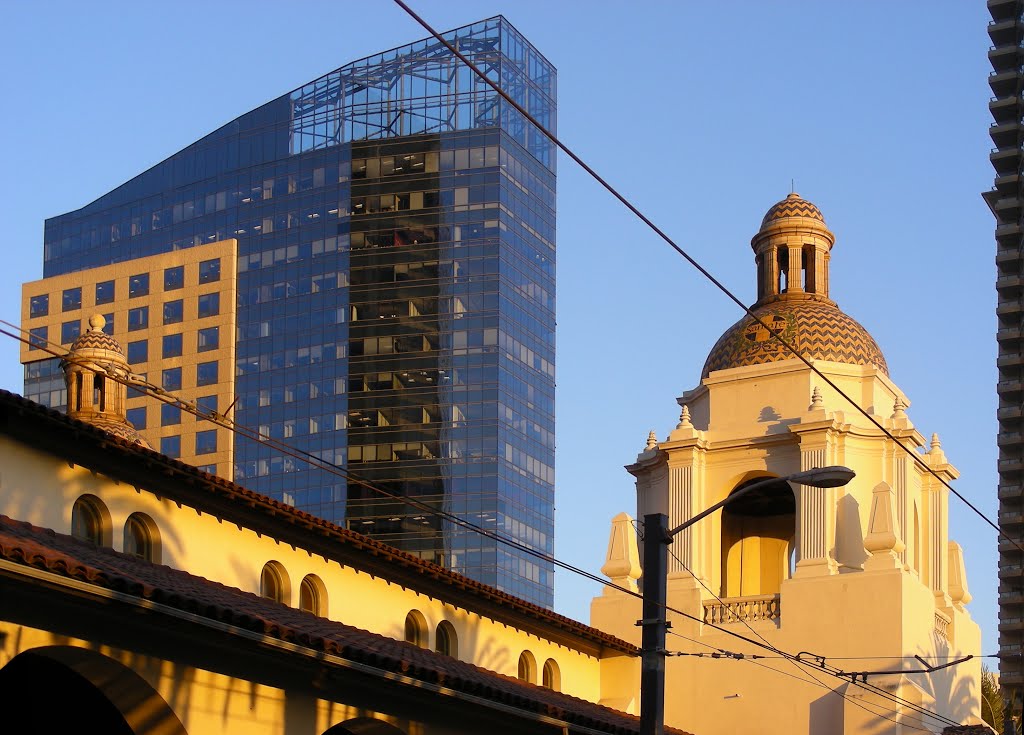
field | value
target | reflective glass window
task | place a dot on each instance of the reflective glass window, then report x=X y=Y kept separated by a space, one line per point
x=207 y=403
x=171 y=446
x=108 y=324
x=174 y=278
x=138 y=351
x=172 y=345
x=71 y=299
x=39 y=305
x=209 y=305
x=137 y=417
x=208 y=339
x=209 y=271
x=171 y=379
x=138 y=318
x=69 y=331
x=206 y=373
x=37 y=337
x=174 y=311
x=105 y=292
x=138 y=285
x=169 y=414
x=206 y=441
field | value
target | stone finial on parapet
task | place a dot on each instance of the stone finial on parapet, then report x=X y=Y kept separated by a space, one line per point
x=958 y=591
x=622 y=562
x=817 y=402
x=652 y=440
x=883 y=538
x=899 y=408
x=935 y=451
x=684 y=419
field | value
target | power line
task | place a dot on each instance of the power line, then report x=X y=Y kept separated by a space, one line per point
x=776 y=334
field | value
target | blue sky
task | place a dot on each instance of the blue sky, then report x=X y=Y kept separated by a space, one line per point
x=701 y=113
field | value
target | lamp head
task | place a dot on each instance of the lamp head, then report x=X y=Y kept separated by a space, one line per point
x=835 y=476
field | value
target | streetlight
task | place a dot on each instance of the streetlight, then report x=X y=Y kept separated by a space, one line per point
x=657 y=537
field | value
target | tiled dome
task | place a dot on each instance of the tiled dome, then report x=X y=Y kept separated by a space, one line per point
x=792 y=206
x=95 y=338
x=817 y=329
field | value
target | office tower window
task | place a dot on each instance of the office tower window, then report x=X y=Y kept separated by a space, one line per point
x=169 y=414
x=108 y=324
x=171 y=446
x=105 y=292
x=137 y=417
x=206 y=441
x=138 y=318
x=209 y=305
x=138 y=285
x=207 y=403
x=38 y=337
x=71 y=299
x=39 y=305
x=172 y=345
x=138 y=352
x=174 y=311
x=209 y=271
x=174 y=278
x=206 y=373
x=69 y=331
x=170 y=379
x=208 y=339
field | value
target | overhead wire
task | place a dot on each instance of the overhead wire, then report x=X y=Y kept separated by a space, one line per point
x=775 y=333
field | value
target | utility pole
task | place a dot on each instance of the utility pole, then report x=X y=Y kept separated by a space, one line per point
x=653 y=625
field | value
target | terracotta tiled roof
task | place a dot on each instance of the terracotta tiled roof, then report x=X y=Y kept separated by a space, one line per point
x=39 y=548
x=84 y=444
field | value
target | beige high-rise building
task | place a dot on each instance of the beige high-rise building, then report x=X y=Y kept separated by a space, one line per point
x=176 y=313
x=862 y=577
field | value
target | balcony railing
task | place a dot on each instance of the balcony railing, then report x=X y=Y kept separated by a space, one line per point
x=942 y=624
x=742 y=609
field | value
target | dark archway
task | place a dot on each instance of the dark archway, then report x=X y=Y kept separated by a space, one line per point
x=364 y=726
x=67 y=689
x=757 y=536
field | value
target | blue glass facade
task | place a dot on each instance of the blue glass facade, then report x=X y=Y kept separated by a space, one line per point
x=396 y=230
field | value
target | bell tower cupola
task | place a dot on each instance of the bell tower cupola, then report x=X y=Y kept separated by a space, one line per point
x=792 y=252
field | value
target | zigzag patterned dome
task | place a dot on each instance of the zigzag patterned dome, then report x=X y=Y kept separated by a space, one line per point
x=95 y=338
x=792 y=206
x=817 y=329
x=792 y=255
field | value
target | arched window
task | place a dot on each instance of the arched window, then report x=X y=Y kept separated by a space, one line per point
x=142 y=537
x=313 y=595
x=90 y=521
x=756 y=539
x=527 y=668
x=445 y=640
x=416 y=629
x=274 y=583
x=551 y=677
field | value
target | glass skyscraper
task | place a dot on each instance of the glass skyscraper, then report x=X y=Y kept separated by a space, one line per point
x=395 y=228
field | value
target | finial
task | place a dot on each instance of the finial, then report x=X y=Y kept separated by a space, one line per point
x=899 y=408
x=652 y=440
x=936 y=444
x=816 y=402
x=792 y=186
x=684 y=419
x=97 y=322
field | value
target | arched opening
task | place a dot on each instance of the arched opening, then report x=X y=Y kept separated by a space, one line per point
x=90 y=521
x=783 y=261
x=757 y=540
x=416 y=629
x=95 y=694
x=274 y=583
x=446 y=641
x=313 y=595
x=142 y=537
x=551 y=677
x=527 y=668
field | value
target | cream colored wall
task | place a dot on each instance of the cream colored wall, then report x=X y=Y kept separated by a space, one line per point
x=38 y=488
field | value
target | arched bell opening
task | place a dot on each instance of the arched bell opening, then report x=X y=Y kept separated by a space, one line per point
x=757 y=540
